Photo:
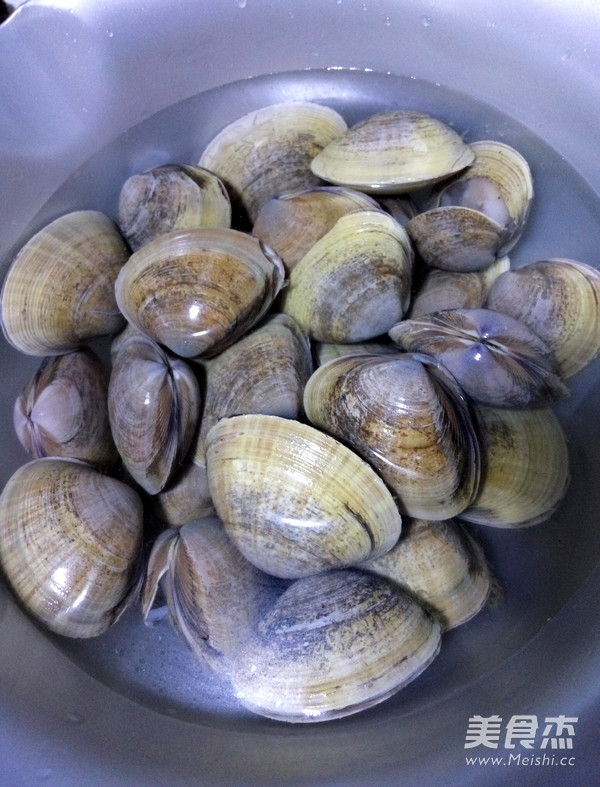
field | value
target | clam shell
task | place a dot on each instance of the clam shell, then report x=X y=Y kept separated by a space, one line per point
x=442 y=566
x=63 y=410
x=154 y=408
x=325 y=351
x=409 y=420
x=295 y=501
x=480 y=215
x=196 y=292
x=59 y=291
x=268 y=151
x=70 y=541
x=333 y=645
x=393 y=152
x=168 y=198
x=186 y=496
x=355 y=282
x=558 y=300
x=292 y=223
x=264 y=372
x=215 y=597
x=525 y=467
x=440 y=290
x=496 y=360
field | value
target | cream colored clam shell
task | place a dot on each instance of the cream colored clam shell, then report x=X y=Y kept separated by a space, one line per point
x=268 y=151
x=442 y=566
x=295 y=501
x=525 y=467
x=197 y=291
x=59 y=291
x=70 y=541
x=333 y=645
x=393 y=152
x=355 y=282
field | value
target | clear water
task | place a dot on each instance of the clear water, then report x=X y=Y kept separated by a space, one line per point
x=539 y=568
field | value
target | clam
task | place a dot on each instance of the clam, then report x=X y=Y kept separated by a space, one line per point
x=325 y=351
x=333 y=645
x=355 y=282
x=196 y=292
x=186 y=496
x=497 y=360
x=525 y=467
x=295 y=501
x=70 y=541
x=393 y=152
x=292 y=223
x=215 y=597
x=480 y=215
x=153 y=407
x=62 y=410
x=171 y=197
x=264 y=372
x=440 y=290
x=408 y=419
x=442 y=566
x=268 y=151
x=558 y=300
x=59 y=290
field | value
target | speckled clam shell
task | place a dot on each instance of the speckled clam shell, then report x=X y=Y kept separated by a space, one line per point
x=333 y=645
x=186 y=496
x=196 y=292
x=264 y=372
x=269 y=151
x=215 y=597
x=480 y=215
x=409 y=420
x=355 y=282
x=292 y=223
x=440 y=290
x=154 y=407
x=442 y=566
x=168 y=198
x=393 y=152
x=497 y=360
x=63 y=410
x=59 y=291
x=558 y=300
x=70 y=540
x=525 y=467
x=295 y=501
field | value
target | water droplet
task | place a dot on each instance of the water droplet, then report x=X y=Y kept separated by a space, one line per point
x=75 y=718
x=425 y=21
x=388 y=21
x=109 y=33
x=338 y=2
x=241 y=3
x=490 y=24
x=566 y=56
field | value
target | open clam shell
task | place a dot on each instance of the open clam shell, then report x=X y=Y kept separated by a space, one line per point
x=168 y=198
x=268 y=151
x=70 y=541
x=295 y=501
x=442 y=566
x=480 y=215
x=197 y=291
x=558 y=300
x=393 y=152
x=58 y=293
x=333 y=645
x=525 y=467
x=409 y=420
x=355 y=282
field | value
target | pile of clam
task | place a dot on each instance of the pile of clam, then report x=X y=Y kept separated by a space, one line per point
x=322 y=369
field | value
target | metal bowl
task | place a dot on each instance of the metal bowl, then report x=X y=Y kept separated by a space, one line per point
x=92 y=92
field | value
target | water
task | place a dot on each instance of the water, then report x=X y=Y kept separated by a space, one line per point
x=540 y=568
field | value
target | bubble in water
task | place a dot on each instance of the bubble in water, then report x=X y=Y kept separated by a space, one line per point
x=425 y=21
x=566 y=56
x=388 y=21
x=109 y=33
x=241 y=3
